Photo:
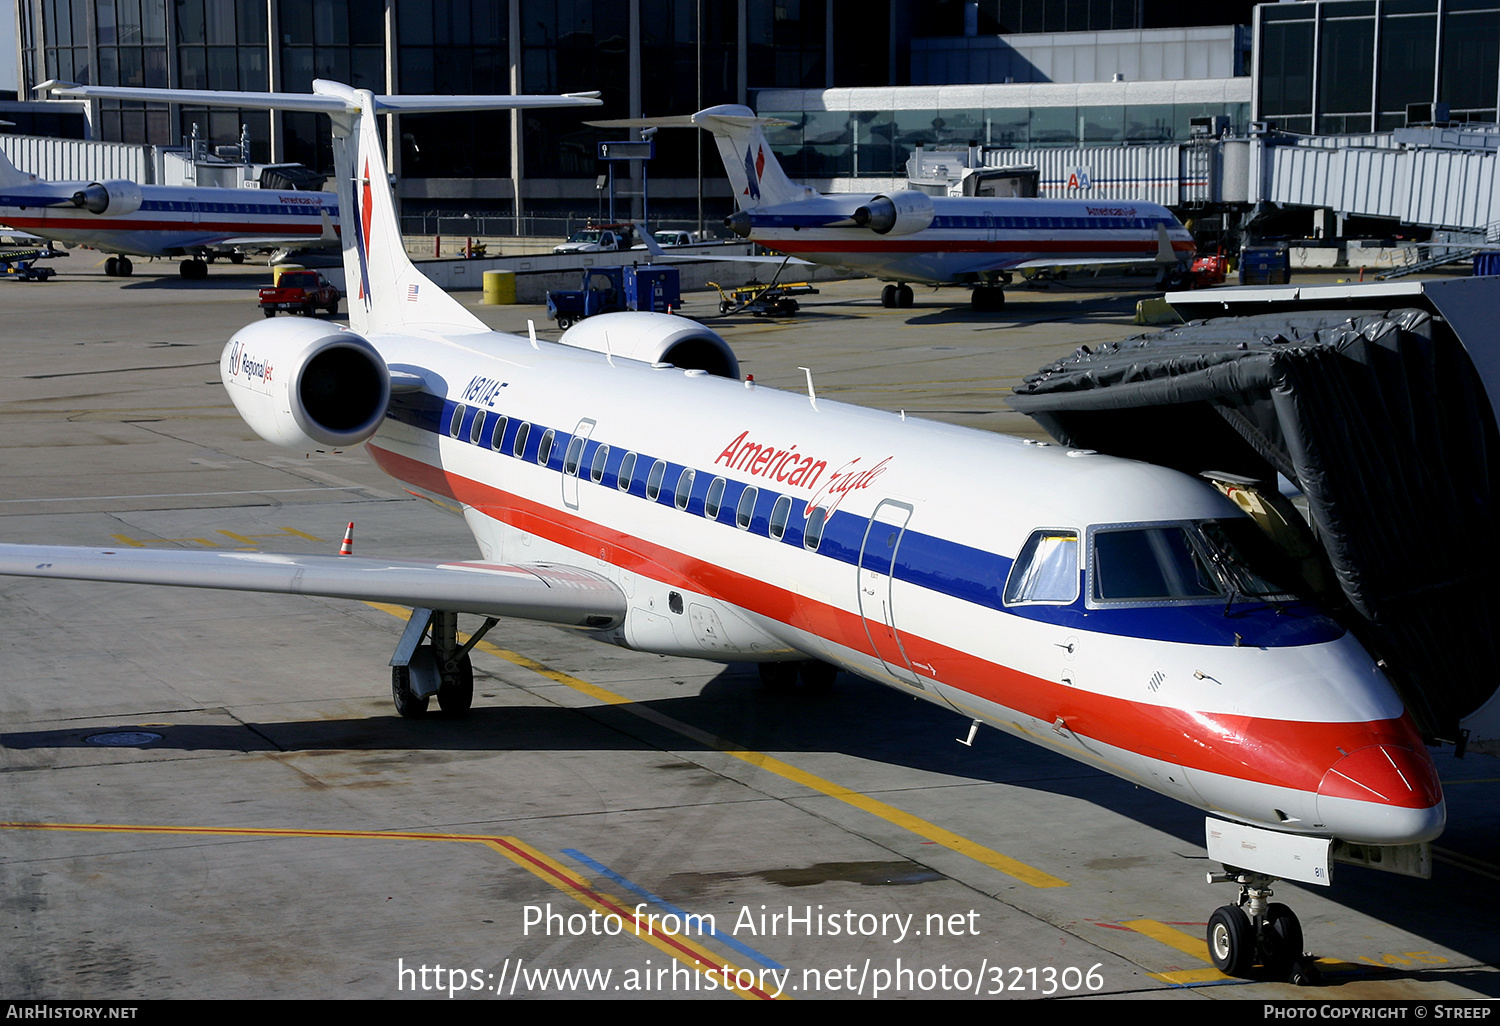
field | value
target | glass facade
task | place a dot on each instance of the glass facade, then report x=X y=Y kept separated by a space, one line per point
x=1353 y=66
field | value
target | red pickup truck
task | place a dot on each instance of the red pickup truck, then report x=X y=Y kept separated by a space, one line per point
x=302 y=292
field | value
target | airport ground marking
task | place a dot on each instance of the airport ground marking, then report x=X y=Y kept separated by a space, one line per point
x=1013 y=868
x=694 y=956
x=1194 y=947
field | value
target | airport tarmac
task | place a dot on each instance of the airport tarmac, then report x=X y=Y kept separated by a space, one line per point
x=208 y=795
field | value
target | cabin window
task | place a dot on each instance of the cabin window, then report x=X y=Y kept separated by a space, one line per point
x=744 y=513
x=523 y=429
x=457 y=420
x=627 y=472
x=714 y=499
x=780 y=513
x=544 y=447
x=812 y=534
x=1046 y=570
x=654 y=479
x=596 y=468
x=477 y=428
x=497 y=440
x=574 y=456
x=684 y=488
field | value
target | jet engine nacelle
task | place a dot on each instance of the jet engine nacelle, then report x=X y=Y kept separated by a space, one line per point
x=112 y=199
x=307 y=385
x=655 y=338
x=900 y=213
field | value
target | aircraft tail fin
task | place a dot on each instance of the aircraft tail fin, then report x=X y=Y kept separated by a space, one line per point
x=753 y=169
x=385 y=289
x=10 y=176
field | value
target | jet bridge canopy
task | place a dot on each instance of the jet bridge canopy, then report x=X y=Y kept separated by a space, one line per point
x=1378 y=405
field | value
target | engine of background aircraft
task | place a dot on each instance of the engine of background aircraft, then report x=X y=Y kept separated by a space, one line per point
x=113 y=198
x=307 y=385
x=900 y=213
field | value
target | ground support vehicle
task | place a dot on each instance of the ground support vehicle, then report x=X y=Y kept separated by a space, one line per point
x=300 y=292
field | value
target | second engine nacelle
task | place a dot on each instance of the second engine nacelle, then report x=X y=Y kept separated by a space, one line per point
x=900 y=213
x=112 y=199
x=307 y=385
x=655 y=338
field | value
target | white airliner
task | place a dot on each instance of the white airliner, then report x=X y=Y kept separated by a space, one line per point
x=126 y=219
x=628 y=483
x=909 y=236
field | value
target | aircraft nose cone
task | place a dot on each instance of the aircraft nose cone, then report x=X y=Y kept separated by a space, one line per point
x=739 y=223
x=1383 y=794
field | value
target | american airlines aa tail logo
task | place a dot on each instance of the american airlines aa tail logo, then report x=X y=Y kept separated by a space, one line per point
x=753 y=168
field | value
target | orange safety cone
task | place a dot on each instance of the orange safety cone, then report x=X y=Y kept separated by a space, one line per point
x=347 y=549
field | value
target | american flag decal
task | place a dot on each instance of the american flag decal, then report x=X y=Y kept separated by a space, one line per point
x=411 y=293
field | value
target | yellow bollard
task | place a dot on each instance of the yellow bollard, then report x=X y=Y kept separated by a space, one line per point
x=499 y=288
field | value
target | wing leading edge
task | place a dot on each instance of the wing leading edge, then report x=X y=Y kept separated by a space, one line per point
x=547 y=593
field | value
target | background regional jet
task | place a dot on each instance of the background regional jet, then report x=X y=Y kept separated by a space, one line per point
x=126 y=219
x=908 y=236
x=1121 y=614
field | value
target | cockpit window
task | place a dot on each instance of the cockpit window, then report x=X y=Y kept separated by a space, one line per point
x=1152 y=563
x=1201 y=561
x=1046 y=570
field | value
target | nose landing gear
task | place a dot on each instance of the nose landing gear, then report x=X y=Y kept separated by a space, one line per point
x=1257 y=930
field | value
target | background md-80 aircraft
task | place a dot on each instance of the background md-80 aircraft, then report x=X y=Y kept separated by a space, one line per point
x=627 y=483
x=909 y=236
x=127 y=219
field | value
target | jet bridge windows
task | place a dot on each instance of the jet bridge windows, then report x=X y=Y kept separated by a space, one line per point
x=1046 y=570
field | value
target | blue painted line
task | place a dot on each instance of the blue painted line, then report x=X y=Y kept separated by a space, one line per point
x=638 y=890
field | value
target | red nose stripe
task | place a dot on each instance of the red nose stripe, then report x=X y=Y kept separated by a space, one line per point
x=1394 y=776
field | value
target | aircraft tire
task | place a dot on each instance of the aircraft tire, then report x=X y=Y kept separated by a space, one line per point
x=1231 y=940
x=236 y=258
x=817 y=675
x=904 y=297
x=888 y=297
x=456 y=695
x=778 y=676
x=112 y=267
x=408 y=705
x=1281 y=940
x=126 y=267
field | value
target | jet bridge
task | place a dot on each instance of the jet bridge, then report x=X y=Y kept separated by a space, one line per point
x=1378 y=403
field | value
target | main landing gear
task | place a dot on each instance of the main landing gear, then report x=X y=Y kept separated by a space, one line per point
x=194 y=269
x=441 y=667
x=1257 y=931
x=987 y=298
x=894 y=296
x=118 y=267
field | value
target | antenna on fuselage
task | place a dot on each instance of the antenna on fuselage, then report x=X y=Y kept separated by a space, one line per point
x=812 y=396
x=531 y=330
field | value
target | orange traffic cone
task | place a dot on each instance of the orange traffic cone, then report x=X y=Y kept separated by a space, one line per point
x=347 y=549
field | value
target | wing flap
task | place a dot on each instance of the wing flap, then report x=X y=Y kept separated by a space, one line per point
x=547 y=593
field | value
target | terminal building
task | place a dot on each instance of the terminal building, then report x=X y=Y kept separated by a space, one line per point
x=1211 y=112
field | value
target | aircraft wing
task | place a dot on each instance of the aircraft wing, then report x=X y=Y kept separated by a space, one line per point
x=659 y=255
x=334 y=100
x=547 y=593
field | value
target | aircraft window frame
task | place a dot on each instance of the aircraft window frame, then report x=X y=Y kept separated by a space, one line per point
x=627 y=472
x=713 y=502
x=544 y=447
x=781 y=515
x=497 y=440
x=654 y=479
x=684 y=491
x=573 y=458
x=812 y=530
x=523 y=431
x=598 y=463
x=744 y=510
x=456 y=422
x=476 y=429
x=1036 y=571
x=1197 y=551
